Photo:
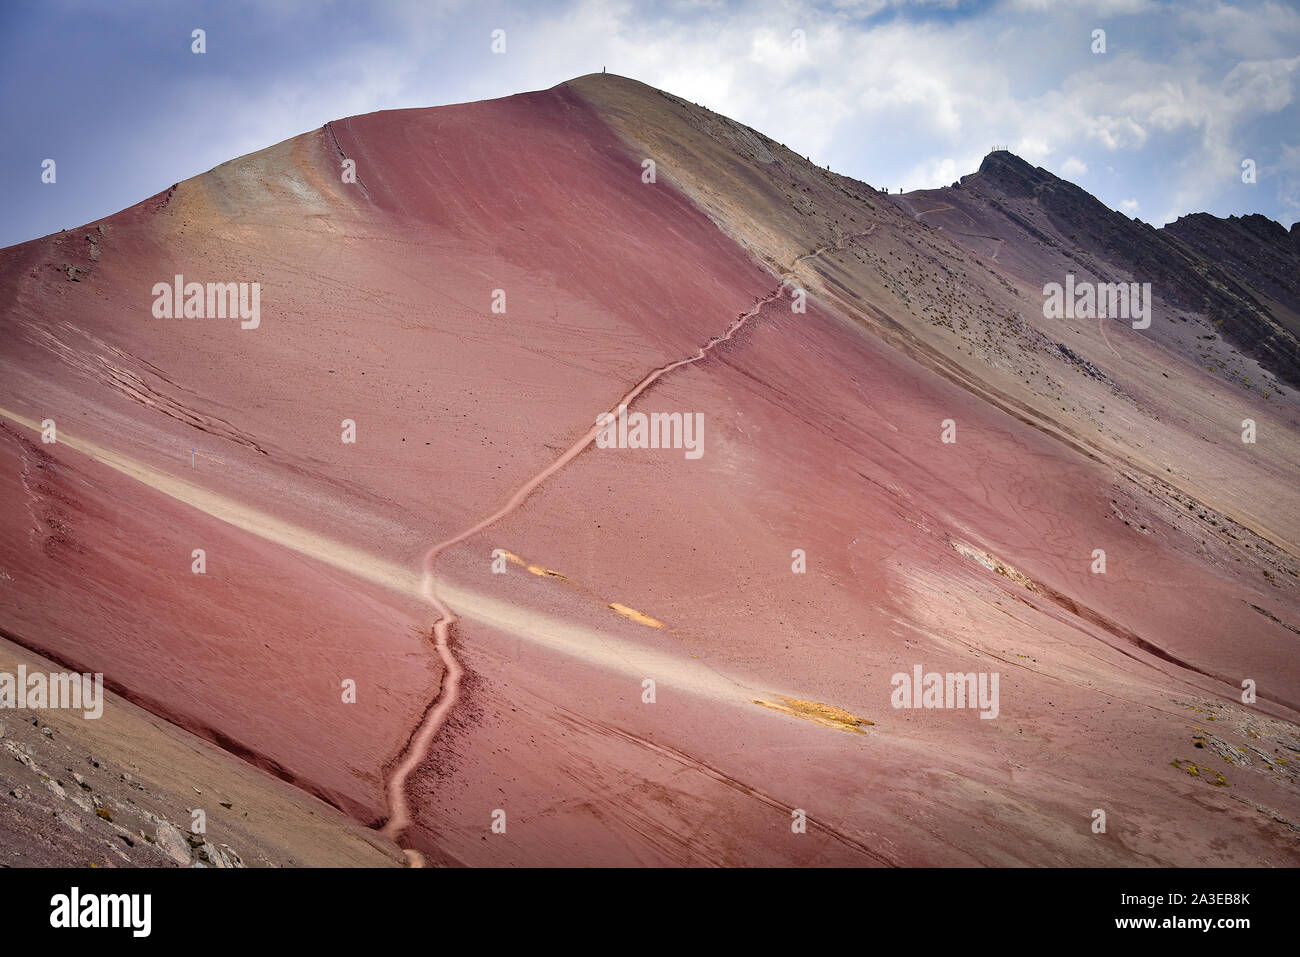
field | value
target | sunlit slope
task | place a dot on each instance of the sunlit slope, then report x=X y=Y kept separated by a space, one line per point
x=494 y=277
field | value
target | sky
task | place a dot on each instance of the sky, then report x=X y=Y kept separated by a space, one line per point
x=897 y=93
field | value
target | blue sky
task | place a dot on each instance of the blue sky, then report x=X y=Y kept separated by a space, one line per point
x=908 y=93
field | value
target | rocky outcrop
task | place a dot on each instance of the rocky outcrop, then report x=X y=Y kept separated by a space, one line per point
x=1242 y=273
x=96 y=811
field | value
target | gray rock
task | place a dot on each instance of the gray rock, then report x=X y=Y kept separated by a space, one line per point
x=171 y=842
x=233 y=859
x=20 y=755
x=221 y=855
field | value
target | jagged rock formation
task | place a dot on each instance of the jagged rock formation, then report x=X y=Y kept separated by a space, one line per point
x=1239 y=273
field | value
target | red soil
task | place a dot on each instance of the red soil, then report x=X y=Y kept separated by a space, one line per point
x=819 y=436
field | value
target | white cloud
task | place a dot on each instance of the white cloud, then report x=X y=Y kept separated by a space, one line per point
x=919 y=101
x=1097 y=7
x=1288 y=172
x=891 y=91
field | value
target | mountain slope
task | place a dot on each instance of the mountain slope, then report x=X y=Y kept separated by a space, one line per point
x=577 y=572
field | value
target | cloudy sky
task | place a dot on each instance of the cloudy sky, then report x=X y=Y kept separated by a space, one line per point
x=908 y=93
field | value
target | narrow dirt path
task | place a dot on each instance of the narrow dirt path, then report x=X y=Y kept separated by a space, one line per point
x=583 y=644
x=938 y=209
x=839 y=246
x=418 y=749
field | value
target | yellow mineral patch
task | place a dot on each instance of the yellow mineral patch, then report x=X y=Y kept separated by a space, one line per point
x=543 y=572
x=1205 y=774
x=636 y=616
x=993 y=564
x=816 y=711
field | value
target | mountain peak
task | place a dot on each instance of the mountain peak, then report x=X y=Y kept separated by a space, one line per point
x=1013 y=175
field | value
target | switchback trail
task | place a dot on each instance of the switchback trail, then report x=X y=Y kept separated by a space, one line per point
x=838 y=246
x=418 y=748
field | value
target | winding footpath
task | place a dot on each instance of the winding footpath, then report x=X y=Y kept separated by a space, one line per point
x=418 y=748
